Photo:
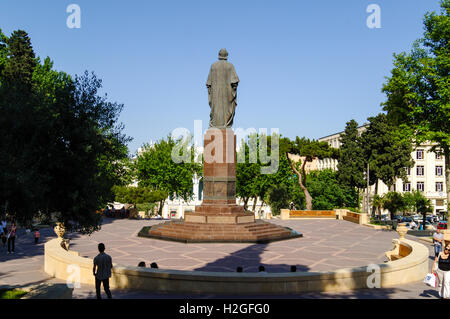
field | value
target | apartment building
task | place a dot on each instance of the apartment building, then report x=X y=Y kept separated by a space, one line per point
x=427 y=175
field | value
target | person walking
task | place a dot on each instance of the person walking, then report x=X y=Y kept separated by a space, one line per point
x=443 y=271
x=438 y=237
x=102 y=271
x=37 y=235
x=3 y=226
x=4 y=239
x=12 y=238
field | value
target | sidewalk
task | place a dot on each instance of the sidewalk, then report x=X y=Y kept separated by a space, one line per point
x=25 y=268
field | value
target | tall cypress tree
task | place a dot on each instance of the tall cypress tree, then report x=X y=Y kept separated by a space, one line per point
x=351 y=160
x=18 y=121
x=386 y=150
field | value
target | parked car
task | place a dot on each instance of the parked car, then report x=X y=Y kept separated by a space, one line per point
x=408 y=225
x=442 y=225
x=417 y=217
x=407 y=219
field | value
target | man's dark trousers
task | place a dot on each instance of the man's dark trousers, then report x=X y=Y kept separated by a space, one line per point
x=105 y=286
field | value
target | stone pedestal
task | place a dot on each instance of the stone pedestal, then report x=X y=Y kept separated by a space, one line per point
x=219 y=180
x=219 y=218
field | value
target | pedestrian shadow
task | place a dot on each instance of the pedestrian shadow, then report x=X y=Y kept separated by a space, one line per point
x=430 y=293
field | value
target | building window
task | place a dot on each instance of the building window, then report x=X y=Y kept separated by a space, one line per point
x=394 y=188
x=439 y=187
x=408 y=171
x=421 y=186
x=438 y=156
x=407 y=187
x=439 y=170
x=420 y=170
x=420 y=154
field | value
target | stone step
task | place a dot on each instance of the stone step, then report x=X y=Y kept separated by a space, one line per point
x=253 y=232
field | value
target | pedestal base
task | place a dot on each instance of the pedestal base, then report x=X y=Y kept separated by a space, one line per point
x=187 y=232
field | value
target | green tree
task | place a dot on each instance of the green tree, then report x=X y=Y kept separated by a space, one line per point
x=248 y=173
x=418 y=89
x=309 y=150
x=278 y=198
x=394 y=202
x=351 y=160
x=411 y=199
x=417 y=202
x=61 y=141
x=424 y=207
x=328 y=192
x=156 y=169
x=386 y=150
x=377 y=204
x=269 y=188
x=138 y=195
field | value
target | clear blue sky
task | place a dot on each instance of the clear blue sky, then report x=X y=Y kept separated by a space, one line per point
x=306 y=67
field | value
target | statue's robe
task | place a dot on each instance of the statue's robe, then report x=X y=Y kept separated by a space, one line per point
x=222 y=91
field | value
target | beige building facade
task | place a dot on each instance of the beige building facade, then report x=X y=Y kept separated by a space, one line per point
x=427 y=175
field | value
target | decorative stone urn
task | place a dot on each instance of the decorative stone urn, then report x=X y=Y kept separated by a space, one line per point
x=59 y=230
x=402 y=230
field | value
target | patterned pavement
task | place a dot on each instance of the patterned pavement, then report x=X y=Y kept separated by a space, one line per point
x=326 y=245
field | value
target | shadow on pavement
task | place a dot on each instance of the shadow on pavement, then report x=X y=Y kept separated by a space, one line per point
x=241 y=258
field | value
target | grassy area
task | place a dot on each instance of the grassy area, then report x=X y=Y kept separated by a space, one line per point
x=12 y=293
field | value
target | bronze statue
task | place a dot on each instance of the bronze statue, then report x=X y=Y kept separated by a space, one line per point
x=222 y=91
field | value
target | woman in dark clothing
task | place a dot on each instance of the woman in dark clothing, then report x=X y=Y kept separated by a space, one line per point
x=443 y=271
x=12 y=238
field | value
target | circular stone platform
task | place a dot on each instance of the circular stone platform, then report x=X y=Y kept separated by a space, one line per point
x=326 y=245
x=258 y=232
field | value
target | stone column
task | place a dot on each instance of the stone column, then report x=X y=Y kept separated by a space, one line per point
x=219 y=182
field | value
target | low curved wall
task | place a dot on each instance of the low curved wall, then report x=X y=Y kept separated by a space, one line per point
x=66 y=265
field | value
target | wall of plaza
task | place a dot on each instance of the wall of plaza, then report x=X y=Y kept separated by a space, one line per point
x=71 y=267
x=427 y=175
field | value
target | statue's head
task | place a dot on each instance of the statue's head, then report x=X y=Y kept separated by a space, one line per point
x=223 y=54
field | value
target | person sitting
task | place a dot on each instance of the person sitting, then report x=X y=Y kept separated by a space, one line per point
x=239 y=269
x=262 y=269
x=142 y=264
x=154 y=265
x=293 y=268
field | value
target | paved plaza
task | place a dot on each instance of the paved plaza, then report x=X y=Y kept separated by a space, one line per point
x=326 y=245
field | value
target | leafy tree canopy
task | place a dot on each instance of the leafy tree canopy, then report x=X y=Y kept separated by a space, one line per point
x=418 y=89
x=156 y=169
x=61 y=142
x=386 y=150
